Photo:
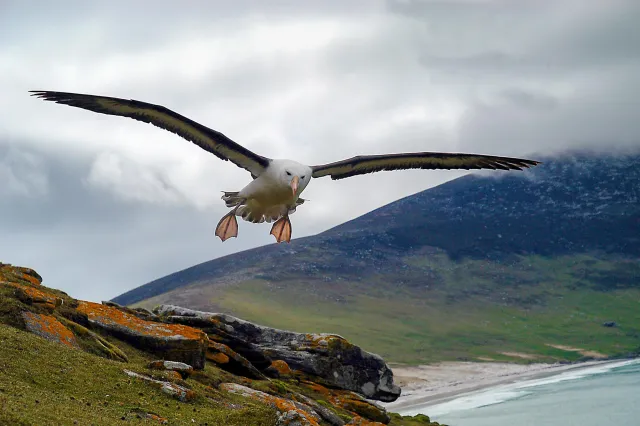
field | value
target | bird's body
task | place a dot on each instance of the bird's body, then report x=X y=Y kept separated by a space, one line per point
x=275 y=190
x=269 y=196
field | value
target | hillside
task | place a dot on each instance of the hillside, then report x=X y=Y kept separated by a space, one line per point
x=506 y=266
x=69 y=361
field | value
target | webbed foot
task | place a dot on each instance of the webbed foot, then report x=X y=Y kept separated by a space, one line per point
x=282 y=229
x=227 y=227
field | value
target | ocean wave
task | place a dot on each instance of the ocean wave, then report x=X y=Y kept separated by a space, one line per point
x=502 y=393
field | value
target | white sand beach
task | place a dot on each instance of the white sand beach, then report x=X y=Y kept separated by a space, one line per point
x=435 y=383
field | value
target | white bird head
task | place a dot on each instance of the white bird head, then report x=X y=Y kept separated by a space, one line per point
x=292 y=174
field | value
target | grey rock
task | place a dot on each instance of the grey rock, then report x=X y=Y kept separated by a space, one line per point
x=291 y=413
x=184 y=369
x=329 y=358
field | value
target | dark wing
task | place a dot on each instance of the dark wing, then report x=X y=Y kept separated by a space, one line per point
x=206 y=138
x=417 y=160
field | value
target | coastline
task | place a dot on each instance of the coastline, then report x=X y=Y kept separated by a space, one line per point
x=437 y=383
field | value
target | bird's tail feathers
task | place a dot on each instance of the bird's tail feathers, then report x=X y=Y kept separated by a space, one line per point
x=231 y=199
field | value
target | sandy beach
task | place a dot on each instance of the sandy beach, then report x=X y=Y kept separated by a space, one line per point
x=444 y=381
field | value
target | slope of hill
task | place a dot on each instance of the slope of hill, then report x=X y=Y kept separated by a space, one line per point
x=500 y=266
x=69 y=361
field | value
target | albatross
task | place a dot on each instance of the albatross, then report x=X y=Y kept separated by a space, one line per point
x=274 y=192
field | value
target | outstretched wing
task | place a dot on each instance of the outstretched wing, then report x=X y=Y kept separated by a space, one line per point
x=206 y=138
x=417 y=160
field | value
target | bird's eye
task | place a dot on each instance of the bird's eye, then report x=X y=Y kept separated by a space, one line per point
x=301 y=177
x=288 y=173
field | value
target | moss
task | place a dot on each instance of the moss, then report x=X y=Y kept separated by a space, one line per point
x=11 y=308
x=417 y=420
x=279 y=386
x=93 y=343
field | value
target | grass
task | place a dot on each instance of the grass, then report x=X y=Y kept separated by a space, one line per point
x=47 y=383
x=475 y=309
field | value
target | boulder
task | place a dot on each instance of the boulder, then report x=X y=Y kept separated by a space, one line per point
x=183 y=370
x=31 y=295
x=50 y=328
x=173 y=342
x=290 y=412
x=217 y=331
x=327 y=415
x=329 y=358
x=19 y=274
x=178 y=392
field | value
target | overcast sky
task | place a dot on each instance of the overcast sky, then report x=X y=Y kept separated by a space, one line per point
x=99 y=205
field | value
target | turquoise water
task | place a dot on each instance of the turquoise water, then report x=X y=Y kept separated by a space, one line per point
x=606 y=394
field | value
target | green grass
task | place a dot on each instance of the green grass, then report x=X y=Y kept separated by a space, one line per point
x=412 y=331
x=474 y=309
x=47 y=383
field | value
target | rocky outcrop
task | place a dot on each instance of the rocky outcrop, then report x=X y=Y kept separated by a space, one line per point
x=174 y=341
x=307 y=379
x=179 y=392
x=329 y=358
x=50 y=328
x=291 y=412
x=229 y=360
x=183 y=370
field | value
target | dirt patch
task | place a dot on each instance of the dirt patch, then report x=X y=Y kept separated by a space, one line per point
x=520 y=355
x=584 y=352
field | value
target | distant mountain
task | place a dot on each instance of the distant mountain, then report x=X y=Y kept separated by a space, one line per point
x=486 y=243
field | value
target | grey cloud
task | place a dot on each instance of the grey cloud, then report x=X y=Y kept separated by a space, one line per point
x=128 y=202
x=95 y=245
x=530 y=99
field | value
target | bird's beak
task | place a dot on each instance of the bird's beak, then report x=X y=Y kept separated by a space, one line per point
x=294 y=184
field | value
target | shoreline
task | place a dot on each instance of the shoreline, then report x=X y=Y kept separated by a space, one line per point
x=437 y=383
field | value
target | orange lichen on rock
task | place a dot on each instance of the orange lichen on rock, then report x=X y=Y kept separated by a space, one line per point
x=281 y=366
x=322 y=341
x=231 y=361
x=35 y=296
x=50 y=328
x=17 y=273
x=350 y=401
x=175 y=342
x=356 y=404
x=157 y=418
x=33 y=280
x=218 y=358
x=173 y=376
x=107 y=315
x=291 y=412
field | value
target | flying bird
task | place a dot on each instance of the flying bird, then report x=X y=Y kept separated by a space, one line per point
x=274 y=192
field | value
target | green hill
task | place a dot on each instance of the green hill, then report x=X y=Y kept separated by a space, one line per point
x=521 y=267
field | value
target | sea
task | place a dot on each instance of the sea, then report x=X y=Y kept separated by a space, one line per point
x=601 y=395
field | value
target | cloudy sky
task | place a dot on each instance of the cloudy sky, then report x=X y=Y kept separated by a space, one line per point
x=99 y=205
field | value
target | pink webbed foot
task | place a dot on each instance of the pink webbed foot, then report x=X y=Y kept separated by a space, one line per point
x=282 y=230
x=227 y=227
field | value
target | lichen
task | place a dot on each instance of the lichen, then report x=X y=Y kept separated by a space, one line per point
x=281 y=367
x=107 y=315
x=50 y=328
